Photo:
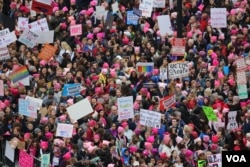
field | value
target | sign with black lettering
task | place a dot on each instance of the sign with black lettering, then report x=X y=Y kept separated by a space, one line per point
x=232 y=158
x=150 y=118
x=232 y=123
x=178 y=70
x=214 y=160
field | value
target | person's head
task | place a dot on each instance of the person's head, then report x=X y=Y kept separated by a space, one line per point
x=114 y=110
x=118 y=93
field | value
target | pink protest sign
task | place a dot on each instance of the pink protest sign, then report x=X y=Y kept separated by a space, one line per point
x=25 y=160
x=76 y=30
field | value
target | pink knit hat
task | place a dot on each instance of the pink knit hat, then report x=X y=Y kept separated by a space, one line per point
x=67 y=156
x=148 y=146
x=151 y=139
x=26 y=135
x=133 y=149
x=120 y=129
x=44 y=144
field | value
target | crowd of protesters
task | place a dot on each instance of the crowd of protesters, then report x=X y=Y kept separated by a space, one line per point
x=103 y=60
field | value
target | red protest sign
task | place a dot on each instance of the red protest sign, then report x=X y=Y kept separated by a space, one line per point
x=179 y=47
x=167 y=102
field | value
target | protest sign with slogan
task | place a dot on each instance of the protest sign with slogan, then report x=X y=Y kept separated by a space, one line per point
x=115 y=7
x=45 y=160
x=19 y=74
x=7 y=37
x=146 y=6
x=242 y=91
x=76 y=30
x=167 y=102
x=209 y=112
x=178 y=70
x=25 y=160
x=132 y=18
x=38 y=102
x=179 y=47
x=47 y=52
x=218 y=17
x=39 y=25
x=165 y=26
x=232 y=122
x=125 y=108
x=4 y=53
x=159 y=3
x=150 y=118
x=23 y=23
x=163 y=74
x=71 y=90
x=27 y=108
x=137 y=12
x=241 y=77
x=80 y=109
x=64 y=130
x=241 y=64
x=28 y=38
x=145 y=67
x=9 y=151
x=45 y=36
x=100 y=12
x=214 y=160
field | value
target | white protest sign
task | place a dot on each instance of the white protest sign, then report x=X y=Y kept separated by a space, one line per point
x=159 y=3
x=218 y=17
x=27 y=108
x=150 y=118
x=64 y=130
x=165 y=25
x=232 y=123
x=100 y=12
x=241 y=64
x=125 y=108
x=25 y=81
x=80 y=109
x=241 y=77
x=39 y=102
x=23 y=23
x=178 y=69
x=28 y=38
x=45 y=37
x=214 y=160
x=4 y=53
x=163 y=74
x=115 y=7
x=9 y=152
x=146 y=6
x=39 y=25
x=7 y=37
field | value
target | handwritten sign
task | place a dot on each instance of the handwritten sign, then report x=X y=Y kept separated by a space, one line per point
x=71 y=90
x=241 y=77
x=7 y=37
x=214 y=160
x=47 y=52
x=125 y=108
x=150 y=118
x=39 y=25
x=232 y=123
x=146 y=6
x=28 y=38
x=167 y=102
x=27 y=108
x=209 y=112
x=218 y=17
x=64 y=130
x=159 y=3
x=4 y=53
x=45 y=160
x=163 y=74
x=178 y=69
x=179 y=47
x=25 y=160
x=38 y=102
x=242 y=91
x=241 y=64
x=45 y=37
x=76 y=30
x=23 y=23
x=132 y=18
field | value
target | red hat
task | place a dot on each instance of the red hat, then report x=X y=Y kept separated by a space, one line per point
x=215 y=139
x=214 y=147
x=92 y=123
x=237 y=148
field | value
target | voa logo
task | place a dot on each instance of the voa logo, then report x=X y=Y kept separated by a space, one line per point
x=236 y=158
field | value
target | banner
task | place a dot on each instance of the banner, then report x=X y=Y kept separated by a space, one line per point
x=179 y=47
x=232 y=123
x=39 y=25
x=71 y=90
x=214 y=160
x=27 y=108
x=19 y=74
x=241 y=64
x=150 y=118
x=163 y=74
x=45 y=160
x=178 y=70
x=47 y=52
x=80 y=109
x=132 y=18
x=241 y=77
x=64 y=130
x=159 y=3
x=23 y=23
x=25 y=160
x=242 y=91
x=76 y=30
x=4 y=53
x=218 y=17
x=209 y=112
x=125 y=107
x=28 y=38
x=146 y=6
x=145 y=67
x=167 y=102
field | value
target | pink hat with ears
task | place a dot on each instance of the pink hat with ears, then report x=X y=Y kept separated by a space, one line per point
x=62 y=118
x=97 y=137
x=232 y=12
x=49 y=135
x=151 y=139
x=91 y=10
x=214 y=38
x=67 y=156
x=105 y=142
x=65 y=9
x=82 y=12
x=220 y=75
x=55 y=9
x=154 y=131
x=26 y=135
x=125 y=41
x=230 y=56
x=122 y=8
x=105 y=65
x=87 y=145
x=70 y=101
x=156 y=71
x=166 y=139
x=214 y=55
x=231 y=82
x=189 y=34
x=44 y=120
x=136 y=106
x=57 y=86
x=120 y=129
x=2 y=105
x=93 y=3
x=63 y=26
x=44 y=144
x=90 y=36
x=148 y=146
x=201 y=7
x=215 y=62
x=234 y=32
x=133 y=149
x=221 y=36
x=158 y=33
x=178 y=139
x=216 y=83
x=13 y=5
x=6 y=102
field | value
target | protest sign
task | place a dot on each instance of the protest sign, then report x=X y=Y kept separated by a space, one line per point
x=25 y=160
x=132 y=18
x=241 y=64
x=4 y=53
x=202 y=163
x=45 y=160
x=76 y=30
x=232 y=123
x=64 y=130
x=47 y=52
x=241 y=77
x=27 y=108
x=9 y=152
x=23 y=23
x=145 y=67
x=80 y=109
x=242 y=91
x=71 y=90
x=150 y=118
x=44 y=6
x=167 y=102
x=178 y=69
x=179 y=47
x=146 y=6
x=163 y=74
x=125 y=108
x=214 y=160
x=19 y=74
x=218 y=17
x=39 y=25
x=209 y=112
x=28 y=38
x=137 y=12
x=115 y=7
x=165 y=26
x=100 y=12
x=159 y=3
x=7 y=37
x=1 y=88
x=38 y=102
x=45 y=37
